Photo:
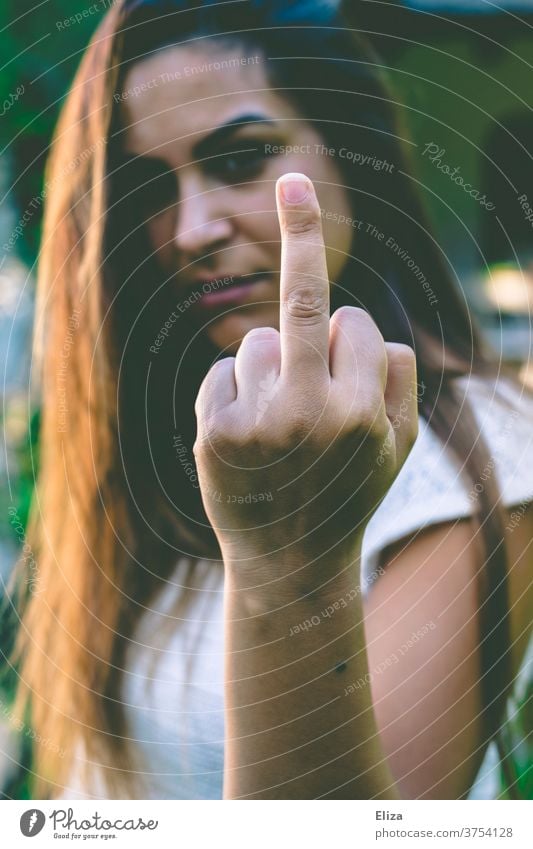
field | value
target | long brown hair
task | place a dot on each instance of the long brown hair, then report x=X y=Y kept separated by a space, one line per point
x=112 y=513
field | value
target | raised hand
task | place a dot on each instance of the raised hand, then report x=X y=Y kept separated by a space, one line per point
x=303 y=432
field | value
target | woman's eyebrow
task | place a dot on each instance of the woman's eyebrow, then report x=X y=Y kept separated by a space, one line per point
x=201 y=148
x=221 y=133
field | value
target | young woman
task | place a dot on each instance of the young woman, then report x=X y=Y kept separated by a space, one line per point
x=283 y=512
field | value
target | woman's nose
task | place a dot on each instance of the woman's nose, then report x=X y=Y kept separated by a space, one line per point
x=201 y=224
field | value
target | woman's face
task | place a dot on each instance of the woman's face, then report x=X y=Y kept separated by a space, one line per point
x=207 y=123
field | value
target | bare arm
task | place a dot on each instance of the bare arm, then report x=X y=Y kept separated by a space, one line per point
x=428 y=704
x=416 y=676
x=296 y=726
x=340 y=420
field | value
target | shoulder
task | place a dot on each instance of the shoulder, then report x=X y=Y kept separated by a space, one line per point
x=421 y=616
x=432 y=488
x=503 y=411
x=423 y=637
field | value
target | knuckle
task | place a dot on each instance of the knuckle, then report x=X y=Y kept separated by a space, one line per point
x=294 y=426
x=218 y=372
x=357 y=324
x=401 y=354
x=309 y=415
x=199 y=447
x=351 y=314
x=306 y=303
x=365 y=401
x=215 y=378
x=376 y=335
x=200 y=404
x=261 y=335
x=213 y=440
x=348 y=313
x=306 y=223
x=205 y=437
x=371 y=418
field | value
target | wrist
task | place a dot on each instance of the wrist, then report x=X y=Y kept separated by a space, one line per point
x=251 y=550
x=294 y=575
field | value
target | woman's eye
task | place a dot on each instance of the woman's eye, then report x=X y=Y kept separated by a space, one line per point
x=238 y=163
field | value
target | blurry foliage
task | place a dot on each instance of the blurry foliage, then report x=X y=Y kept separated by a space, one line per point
x=38 y=63
x=43 y=59
x=517 y=739
x=27 y=454
x=17 y=785
x=23 y=473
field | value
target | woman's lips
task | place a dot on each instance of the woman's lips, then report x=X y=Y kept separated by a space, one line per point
x=228 y=291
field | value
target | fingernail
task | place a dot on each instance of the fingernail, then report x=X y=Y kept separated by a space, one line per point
x=295 y=189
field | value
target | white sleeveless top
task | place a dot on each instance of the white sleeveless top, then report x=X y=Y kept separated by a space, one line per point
x=176 y=710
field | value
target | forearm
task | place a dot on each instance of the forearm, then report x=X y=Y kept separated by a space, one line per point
x=295 y=729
